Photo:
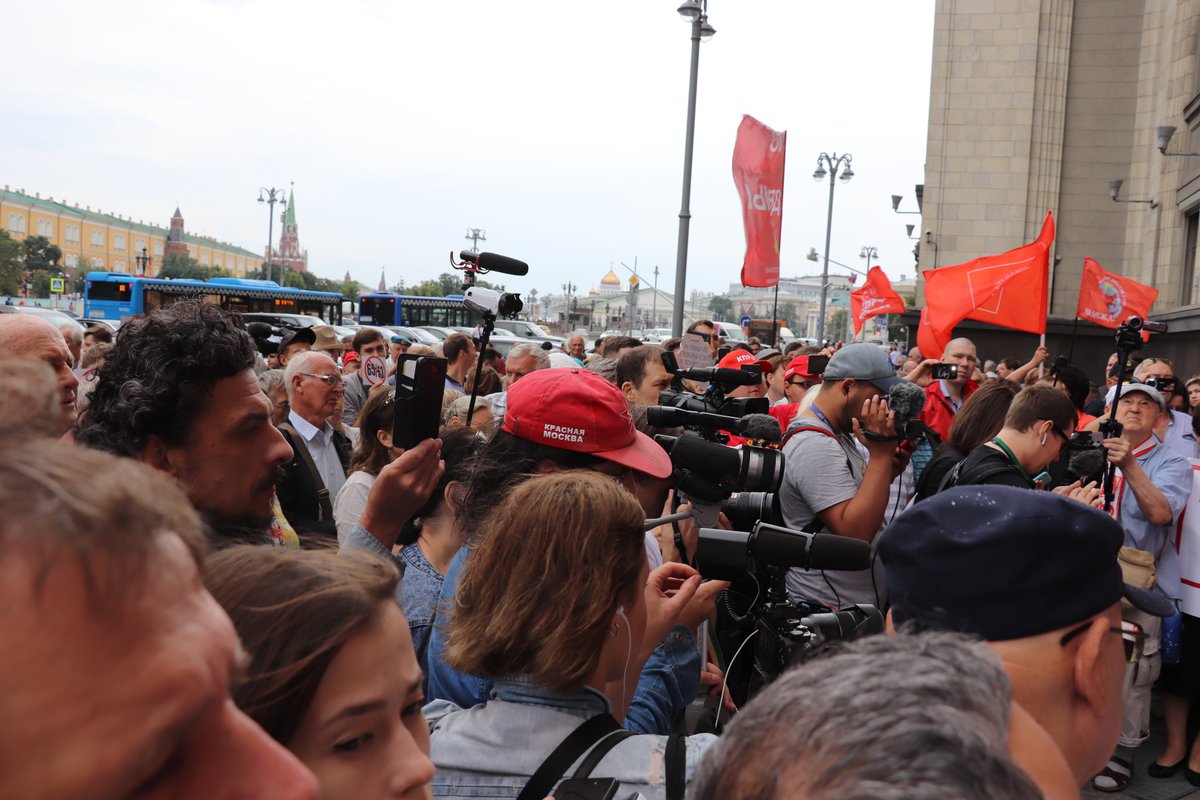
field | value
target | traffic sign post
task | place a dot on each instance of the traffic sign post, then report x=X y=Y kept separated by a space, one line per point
x=744 y=321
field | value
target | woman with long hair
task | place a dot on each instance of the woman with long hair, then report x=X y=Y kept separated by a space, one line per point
x=332 y=675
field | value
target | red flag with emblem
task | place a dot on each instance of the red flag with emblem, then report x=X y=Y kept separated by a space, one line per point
x=758 y=157
x=1107 y=299
x=874 y=298
x=1009 y=290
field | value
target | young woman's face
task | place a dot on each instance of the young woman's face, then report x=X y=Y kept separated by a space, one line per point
x=364 y=736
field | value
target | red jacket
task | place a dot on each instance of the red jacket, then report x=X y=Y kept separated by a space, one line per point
x=938 y=413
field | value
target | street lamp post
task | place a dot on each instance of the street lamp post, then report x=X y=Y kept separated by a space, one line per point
x=829 y=165
x=868 y=252
x=273 y=196
x=568 y=293
x=697 y=12
x=143 y=262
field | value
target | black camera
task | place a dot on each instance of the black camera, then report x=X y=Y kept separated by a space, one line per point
x=944 y=372
x=707 y=472
x=757 y=604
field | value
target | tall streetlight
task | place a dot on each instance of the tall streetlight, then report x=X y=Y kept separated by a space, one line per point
x=142 y=260
x=829 y=165
x=868 y=252
x=272 y=197
x=696 y=11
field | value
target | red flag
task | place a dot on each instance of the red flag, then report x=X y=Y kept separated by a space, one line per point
x=758 y=172
x=874 y=298
x=1107 y=299
x=1008 y=290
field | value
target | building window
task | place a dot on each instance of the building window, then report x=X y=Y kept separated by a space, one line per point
x=139 y=245
x=72 y=261
x=217 y=262
x=97 y=238
x=204 y=258
x=118 y=266
x=16 y=223
x=1187 y=278
x=158 y=248
x=72 y=234
x=45 y=228
x=119 y=242
x=97 y=263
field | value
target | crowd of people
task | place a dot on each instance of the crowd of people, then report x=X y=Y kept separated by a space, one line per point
x=223 y=577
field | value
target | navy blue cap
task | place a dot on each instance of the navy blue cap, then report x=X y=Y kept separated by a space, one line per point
x=1005 y=563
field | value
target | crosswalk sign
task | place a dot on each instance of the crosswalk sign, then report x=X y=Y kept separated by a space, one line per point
x=57 y=285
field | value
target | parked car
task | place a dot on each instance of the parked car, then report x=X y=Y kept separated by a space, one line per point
x=731 y=331
x=57 y=318
x=528 y=330
x=656 y=335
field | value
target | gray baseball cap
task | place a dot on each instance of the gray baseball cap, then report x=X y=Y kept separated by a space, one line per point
x=1149 y=391
x=863 y=362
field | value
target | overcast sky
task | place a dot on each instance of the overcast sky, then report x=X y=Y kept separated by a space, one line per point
x=558 y=127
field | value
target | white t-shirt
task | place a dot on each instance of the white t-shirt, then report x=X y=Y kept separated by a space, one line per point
x=351 y=501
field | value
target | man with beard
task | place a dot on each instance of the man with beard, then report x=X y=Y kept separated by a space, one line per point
x=178 y=392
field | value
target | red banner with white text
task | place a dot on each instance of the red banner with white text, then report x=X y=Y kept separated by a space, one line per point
x=1107 y=299
x=758 y=161
x=874 y=298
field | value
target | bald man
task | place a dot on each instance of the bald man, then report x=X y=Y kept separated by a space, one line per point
x=27 y=336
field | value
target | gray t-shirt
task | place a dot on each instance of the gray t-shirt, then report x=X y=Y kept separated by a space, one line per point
x=821 y=471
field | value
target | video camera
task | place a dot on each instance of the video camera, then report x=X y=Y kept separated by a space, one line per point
x=721 y=381
x=786 y=633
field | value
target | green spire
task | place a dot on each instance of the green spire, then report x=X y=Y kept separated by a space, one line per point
x=289 y=217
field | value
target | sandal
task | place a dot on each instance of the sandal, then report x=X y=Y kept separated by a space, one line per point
x=1115 y=775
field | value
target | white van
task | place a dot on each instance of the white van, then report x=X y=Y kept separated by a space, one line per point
x=731 y=331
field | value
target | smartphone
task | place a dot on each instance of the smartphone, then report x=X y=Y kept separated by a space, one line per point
x=670 y=362
x=420 y=383
x=945 y=372
x=817 y=364
x=723 y=351
x=587 y=789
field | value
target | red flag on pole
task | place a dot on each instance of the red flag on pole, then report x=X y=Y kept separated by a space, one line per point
x=1107 y=299
x=758 y=159
x=874 y=298
x=1008 y=290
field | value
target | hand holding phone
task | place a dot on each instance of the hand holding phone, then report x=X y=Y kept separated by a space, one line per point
x=946 y=372
x=419 y=390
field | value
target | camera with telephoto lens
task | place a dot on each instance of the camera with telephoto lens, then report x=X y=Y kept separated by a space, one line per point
x=721 y=382
x=756 y=605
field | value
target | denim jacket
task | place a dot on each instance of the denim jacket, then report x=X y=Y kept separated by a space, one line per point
x=418 y=591
x=669 y=680
x=491 y=750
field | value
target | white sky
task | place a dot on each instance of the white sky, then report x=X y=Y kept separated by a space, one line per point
x=558 y=127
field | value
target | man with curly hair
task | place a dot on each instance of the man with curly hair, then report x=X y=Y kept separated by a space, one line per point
x=178 y=392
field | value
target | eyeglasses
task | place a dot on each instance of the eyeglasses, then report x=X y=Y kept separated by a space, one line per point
x=705 y=336
x=1065 y=439
x=1132 y=637
x=328 y=380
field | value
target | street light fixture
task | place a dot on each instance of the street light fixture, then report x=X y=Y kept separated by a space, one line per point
x=835 y=164
x=143 y=261
x=696 y=12
x=1163 y=134
x=1114 y=189
x=273 y=196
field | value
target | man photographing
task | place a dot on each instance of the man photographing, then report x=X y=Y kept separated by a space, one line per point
x=827 y=485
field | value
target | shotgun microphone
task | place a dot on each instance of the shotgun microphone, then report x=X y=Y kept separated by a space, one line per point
x=493 y=262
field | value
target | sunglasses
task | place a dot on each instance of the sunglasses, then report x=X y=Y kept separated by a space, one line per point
x=705 y=336
x=1133 y=638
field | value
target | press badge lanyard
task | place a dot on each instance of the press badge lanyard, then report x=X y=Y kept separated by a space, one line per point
x=821 y=416
x=996 y=441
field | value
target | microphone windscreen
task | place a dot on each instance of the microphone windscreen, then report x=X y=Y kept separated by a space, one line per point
x=1087 y=463
x=830 y=551
x=761 y=426
x=498 y=263
x=907 y=400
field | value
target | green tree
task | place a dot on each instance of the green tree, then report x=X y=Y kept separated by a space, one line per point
x=179 y=265
x=447 y=283
x=40 y=254
x=836 y=329
x=11 y=269
x=721 y=307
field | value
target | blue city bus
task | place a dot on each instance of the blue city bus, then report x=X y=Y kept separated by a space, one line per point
x=386 y=308
x=118 y=296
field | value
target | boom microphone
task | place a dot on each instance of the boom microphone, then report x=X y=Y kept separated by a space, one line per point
x=722 y=376
x=761 y=426
x=1087 y=464
x=906 y=400
x=493 y=262
x=729 y=555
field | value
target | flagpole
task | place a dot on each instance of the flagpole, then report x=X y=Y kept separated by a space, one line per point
x=1042 y=365
x=775 y=318
x=1071 y=349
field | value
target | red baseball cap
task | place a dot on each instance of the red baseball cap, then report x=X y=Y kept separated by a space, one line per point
x=576 y=409
x=350 y=356
x=799 y=366
x=736 y=359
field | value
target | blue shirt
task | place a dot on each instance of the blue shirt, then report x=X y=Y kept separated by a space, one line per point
x=1172 y=475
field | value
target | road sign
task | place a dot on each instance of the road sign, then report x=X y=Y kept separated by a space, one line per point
x=744 y=321
x=57 y=285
